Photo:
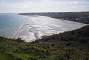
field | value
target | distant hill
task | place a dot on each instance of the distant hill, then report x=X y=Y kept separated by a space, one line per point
x=82 y=17
x=72 y=45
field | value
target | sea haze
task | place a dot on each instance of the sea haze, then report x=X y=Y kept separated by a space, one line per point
x=30 y=28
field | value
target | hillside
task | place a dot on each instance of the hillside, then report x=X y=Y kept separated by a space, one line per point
x=72 y=45
x=77 y=38
x=82 y=17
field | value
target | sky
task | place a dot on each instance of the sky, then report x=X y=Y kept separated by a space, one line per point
x=18 y=6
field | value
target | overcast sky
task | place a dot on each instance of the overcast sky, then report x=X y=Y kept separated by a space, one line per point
x=13 y=6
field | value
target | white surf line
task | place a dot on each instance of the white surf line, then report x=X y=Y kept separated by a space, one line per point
x=33 y=30
x=16 y=34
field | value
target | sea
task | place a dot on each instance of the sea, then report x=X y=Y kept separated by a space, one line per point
x=30 y=28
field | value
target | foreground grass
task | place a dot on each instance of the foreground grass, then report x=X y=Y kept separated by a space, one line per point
x=73 y=45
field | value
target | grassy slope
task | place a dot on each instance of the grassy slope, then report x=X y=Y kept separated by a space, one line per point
x=73 y=45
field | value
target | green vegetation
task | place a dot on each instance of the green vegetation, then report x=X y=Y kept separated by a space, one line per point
x=72 y=45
